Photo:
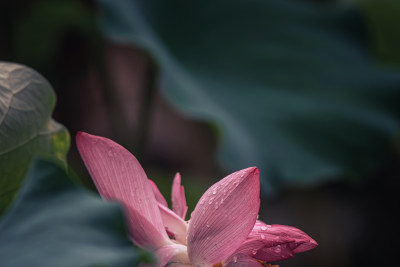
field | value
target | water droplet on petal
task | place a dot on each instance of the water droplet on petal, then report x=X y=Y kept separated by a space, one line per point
x=235 y=259
x=262 y=236
x=263 y=227
x=254 y=252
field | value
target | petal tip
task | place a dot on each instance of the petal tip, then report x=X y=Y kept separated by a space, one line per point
x=313 y=243
x=78 y=135
x=85 y=138
x=82 y=135
x=254 y=170
x=253 y=173
x=178 y=177
x=250 y=171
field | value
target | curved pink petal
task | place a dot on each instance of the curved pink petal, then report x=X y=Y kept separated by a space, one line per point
x=249 y=247
x=174 y=224
x=270 y=243
x=178 y=197
x=241 y=260
x=171 y=255
x=143 y=233
x=224 y=217
x=278 y=253
x=118 y=176
x=159 y=197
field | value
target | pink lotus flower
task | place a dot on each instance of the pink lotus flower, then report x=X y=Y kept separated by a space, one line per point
x=223 y=229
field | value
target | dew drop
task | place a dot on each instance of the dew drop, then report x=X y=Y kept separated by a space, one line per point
x=263 y=227
x=262 y=236
x=254 y=252
x=278 y=249
x=235 y=259
x=214 y=191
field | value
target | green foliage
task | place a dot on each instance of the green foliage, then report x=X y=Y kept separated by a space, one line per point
x=290 y=85
x=383 y=19
x=47 y=23
x=26 y=128
x=53 y=222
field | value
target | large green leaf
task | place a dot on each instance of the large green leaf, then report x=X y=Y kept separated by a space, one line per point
x=26 y=128
x=290 y=85
x=55 y=223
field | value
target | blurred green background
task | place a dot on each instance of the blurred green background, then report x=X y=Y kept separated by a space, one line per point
x=306 y=90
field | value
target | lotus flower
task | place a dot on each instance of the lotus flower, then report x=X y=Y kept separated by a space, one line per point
x=223 y=229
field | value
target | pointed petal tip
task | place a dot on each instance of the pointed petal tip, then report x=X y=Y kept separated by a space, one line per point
x=82 y=137
x=310 y=244
x=80 y=133
x=78 y=136
x=313 y=242
x=177 y=178
x=305 y=246
x=249 y=173
x=253 y=170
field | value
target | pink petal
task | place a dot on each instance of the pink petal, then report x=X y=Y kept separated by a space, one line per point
x=118 y=176
x=249 y=247
x=174 y=224
x=278 y=253
x=170 y=255
x=242 y=261
x=178 y=197
x=143 y=231
x=224 y=217
x=159 y=197
x=275 y=242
